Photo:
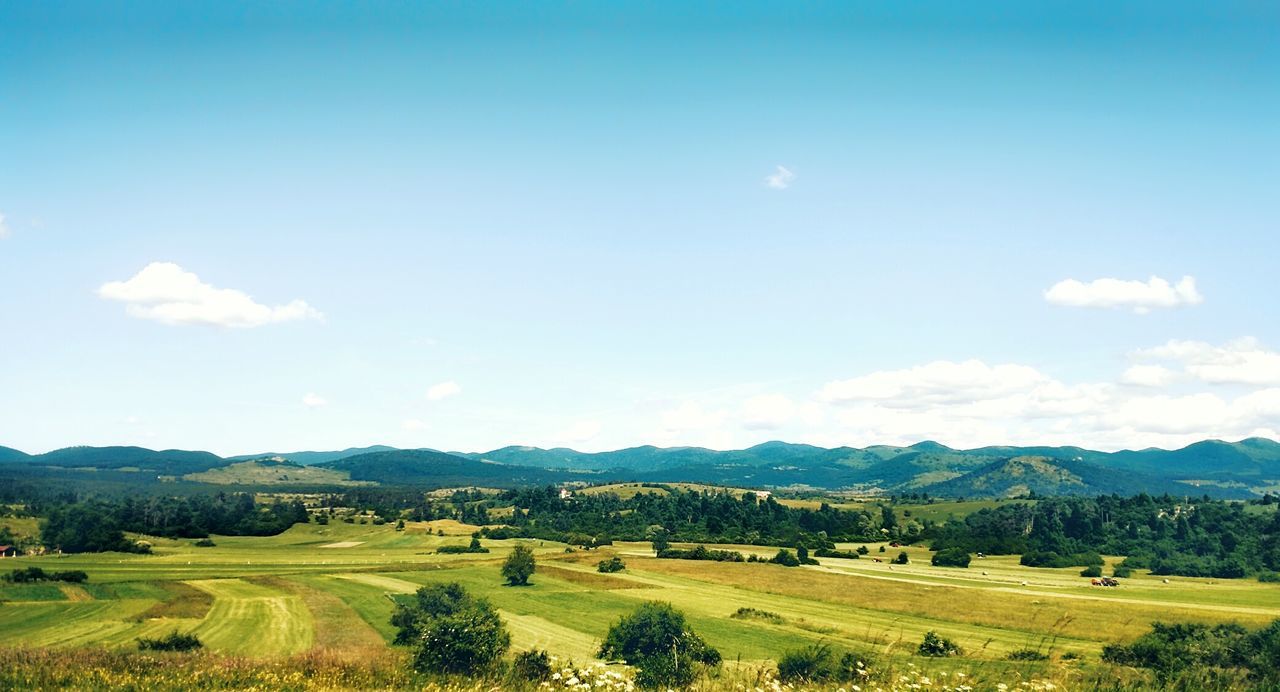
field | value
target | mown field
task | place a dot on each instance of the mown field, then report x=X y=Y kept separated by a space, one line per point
x=326 y=588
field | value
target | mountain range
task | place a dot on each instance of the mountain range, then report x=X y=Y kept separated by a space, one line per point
x=1227 y=469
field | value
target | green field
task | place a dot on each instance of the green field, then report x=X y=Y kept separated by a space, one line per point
x=332 y=588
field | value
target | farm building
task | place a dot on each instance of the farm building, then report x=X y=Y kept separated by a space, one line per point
x=8 y=551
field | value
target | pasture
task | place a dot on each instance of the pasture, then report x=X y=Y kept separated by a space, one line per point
x=332 y=588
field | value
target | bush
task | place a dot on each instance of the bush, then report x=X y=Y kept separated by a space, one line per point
x=533 y=665
x=757 y=614
x=1269 y=577
x=937 y=646
x=613 y=564
x=862 y=550
x=656 y=640
x=1121 y=571
x=205 y=543
x=951 y=557
x=451 y=630
x=473 y=547
x=785 y=558
x=35 y=574
x=813 y=663
x=1027 y=655
x=519 y=566
x=902 y=558
x=1091 y=571
x=843 y=554
x=702 y=553
x=174 y=641
x=1169 y=649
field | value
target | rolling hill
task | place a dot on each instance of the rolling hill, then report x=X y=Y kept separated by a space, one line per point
x=1215 y=467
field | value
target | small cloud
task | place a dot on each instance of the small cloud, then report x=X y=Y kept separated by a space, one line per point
x=780 y=179
x=1242 y=361
x=443 y=390
x=690 y=416
x=414 y=425
x=1147 y=376
x=1139 y=296
x=166 y=293
x=313 y=400
x=767 y=412
x=580 y=431
x=4 y=227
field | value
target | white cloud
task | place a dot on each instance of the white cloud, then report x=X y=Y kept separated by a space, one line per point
x=413 y=425
x=1138 y=296
x=166 y=293
x=691 y=416
x=443 y=390
x=1147 y=376
x=579 y=431
x=313 y=400
x=767 y=412
x=780 y=179
x=937 y=382
x=1242 y=361
x=4 y=228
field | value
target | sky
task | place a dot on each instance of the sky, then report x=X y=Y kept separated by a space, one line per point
x=251 y=227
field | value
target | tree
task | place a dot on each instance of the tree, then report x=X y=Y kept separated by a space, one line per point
x=656 y=640
x=451 y=630
x=519 y=566
x=902 y=558
x=951 y=557
x=661 y=540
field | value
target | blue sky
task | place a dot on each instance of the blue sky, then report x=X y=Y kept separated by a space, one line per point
x=559 y=219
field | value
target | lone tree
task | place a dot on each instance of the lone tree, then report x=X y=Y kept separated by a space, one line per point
x=451 y=630
x=661 y=541
x=519 y=566
x=657 y=641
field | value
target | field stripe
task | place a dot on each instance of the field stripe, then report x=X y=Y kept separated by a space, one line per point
x=254 y=620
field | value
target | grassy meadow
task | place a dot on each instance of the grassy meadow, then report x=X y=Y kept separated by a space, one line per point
x=329 y=590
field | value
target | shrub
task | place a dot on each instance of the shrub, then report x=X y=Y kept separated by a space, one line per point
x=813 y=663
x=902 y=558
x=656 y=640
x=1091 y=571
x=473 y=547
x=785 y=558
x=613 y=564
x=1121 y=571
x=205 y=543
x=702 y=553
x=862 y=550
x=757 y=614
x=174 y=641
x=519 y=566
x=462 y=642
x=35 y=574
x=1169 y=649
x=452 y=631
x=533 y=665
x=882 y=549
x=1269 y=577
x=951 y=557
x=937 y=646
x=1027 y=655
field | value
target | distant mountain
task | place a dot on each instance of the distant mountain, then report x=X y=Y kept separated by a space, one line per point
x=426 y=467
x=168 y=462
x=1042 y=475
x=1220 y=468
x=311 y=458
x=8 y=454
